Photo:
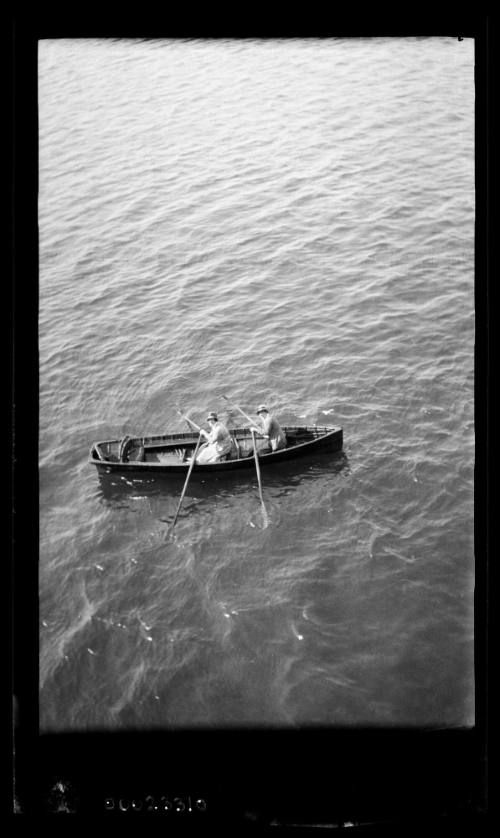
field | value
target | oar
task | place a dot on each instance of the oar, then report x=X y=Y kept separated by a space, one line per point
x=191 y=465
x=257 y=468
x=240 y=410
x=190 y=421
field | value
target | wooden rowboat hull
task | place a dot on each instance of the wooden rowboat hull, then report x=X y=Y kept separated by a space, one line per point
x=159 y=454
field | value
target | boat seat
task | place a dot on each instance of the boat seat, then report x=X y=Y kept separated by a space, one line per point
x=136 y=453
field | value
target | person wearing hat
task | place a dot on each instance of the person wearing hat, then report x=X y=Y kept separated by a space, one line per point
x=218 y=441
x=270 y=428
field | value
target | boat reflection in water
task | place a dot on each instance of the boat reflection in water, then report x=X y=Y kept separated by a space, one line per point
x=118 y=489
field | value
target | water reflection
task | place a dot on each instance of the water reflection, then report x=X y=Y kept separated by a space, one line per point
x=114 y=489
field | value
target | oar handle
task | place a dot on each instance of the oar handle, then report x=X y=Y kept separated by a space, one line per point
x=247 y=417
x=190 y=421
x=191 y=466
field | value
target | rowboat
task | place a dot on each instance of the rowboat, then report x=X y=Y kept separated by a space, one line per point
x=167 y=454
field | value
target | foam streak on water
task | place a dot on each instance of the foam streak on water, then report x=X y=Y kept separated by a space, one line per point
x=284 y=221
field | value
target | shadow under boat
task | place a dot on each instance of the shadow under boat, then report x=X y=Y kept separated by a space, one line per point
x=286 y=475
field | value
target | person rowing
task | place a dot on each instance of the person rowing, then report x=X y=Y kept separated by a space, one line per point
x=270 y=429
x=218 y=441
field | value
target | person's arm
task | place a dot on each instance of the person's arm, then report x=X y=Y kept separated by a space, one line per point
x=218 y=434
x=260 y=431
x=266 y=427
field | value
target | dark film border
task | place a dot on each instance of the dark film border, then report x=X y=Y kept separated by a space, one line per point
x=306 y=776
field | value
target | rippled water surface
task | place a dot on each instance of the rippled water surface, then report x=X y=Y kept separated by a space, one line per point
x=281 y=221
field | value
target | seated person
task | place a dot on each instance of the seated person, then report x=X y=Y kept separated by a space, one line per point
x=218 y=442
x=270 y=429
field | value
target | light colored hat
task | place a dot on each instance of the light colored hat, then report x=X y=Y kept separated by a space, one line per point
x=213 y=416
x=261 y=408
